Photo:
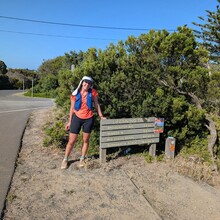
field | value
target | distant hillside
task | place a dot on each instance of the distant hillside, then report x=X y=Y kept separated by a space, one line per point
x=15 y=78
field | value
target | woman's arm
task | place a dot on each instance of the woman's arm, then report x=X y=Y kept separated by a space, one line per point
x=98 y=108
x=70 y=114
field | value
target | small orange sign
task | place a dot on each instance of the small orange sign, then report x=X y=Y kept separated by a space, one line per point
x=172 y=147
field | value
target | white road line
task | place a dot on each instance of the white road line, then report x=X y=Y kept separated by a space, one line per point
x=25 y=109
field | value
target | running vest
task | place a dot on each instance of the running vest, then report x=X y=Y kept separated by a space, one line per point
x=78 y=101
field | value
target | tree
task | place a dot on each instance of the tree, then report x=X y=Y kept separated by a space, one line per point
x=72 y=58
x=159 y=62
x=4 y=82
x=182 y=68
x=3 y=67
x=210 y=33
x=51 y=66
x=157 y=74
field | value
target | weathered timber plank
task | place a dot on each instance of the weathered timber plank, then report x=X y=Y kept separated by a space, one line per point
x=127 y=132
x=129 y=142
x=127 y=120
x=128 y=137
x=126 y=126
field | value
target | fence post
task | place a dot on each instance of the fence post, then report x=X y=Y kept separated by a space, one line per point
x=152 y=150
x=102 y=155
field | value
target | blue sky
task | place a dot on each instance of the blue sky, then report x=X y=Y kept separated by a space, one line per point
x=26 y=44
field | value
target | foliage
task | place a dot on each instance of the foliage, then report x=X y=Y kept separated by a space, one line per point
x=213 y=93
x=47 y=85
x=145 y=76
x=55 y=130
x=209 y=32
x=161 y=157
x=3 y=67
x=197 y=147
x=53 y=72
x=11 y=78
x=24 y=73
x=72 y=58
x=51 y=66
x=65 y=81
x=4 y=82
x=16 y=78
x=55 y=134
x=148 y=158
x=16 y=83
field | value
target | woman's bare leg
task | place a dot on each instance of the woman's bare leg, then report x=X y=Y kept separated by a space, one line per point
x=85 y=147
x=70 y=144
x=69 y=147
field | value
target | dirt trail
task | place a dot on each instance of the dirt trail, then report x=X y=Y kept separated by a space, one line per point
x=124 y=188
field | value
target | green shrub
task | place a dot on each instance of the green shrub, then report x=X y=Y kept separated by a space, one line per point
x=197 y=147
x=55 y=134
x=160 y=157
x=148 y=157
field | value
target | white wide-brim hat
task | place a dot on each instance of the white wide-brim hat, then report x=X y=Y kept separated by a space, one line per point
x=80 y=83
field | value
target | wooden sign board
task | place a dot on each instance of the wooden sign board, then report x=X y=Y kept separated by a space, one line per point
x=127 y=132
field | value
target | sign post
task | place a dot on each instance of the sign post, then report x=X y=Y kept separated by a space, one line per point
x=170 y=147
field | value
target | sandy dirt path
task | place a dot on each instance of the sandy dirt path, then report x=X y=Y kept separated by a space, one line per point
x=125 y=188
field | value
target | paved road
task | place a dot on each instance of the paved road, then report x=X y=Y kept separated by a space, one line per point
x=15 y=110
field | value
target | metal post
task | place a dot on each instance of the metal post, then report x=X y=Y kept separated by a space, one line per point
x=23 y=85
x=32 y=90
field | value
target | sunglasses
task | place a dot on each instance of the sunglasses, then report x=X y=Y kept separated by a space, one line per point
x=87 y=81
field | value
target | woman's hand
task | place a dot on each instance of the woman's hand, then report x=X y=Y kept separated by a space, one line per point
x=67 y=127
x=102 y=117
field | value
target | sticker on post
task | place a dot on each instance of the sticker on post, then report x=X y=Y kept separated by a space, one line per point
x=159 y=125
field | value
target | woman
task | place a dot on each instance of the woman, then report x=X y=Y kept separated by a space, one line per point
x=81 y=116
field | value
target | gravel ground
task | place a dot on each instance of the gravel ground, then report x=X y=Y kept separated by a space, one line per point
x=123 y=188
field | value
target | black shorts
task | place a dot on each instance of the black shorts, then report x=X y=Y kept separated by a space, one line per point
x=77 y=123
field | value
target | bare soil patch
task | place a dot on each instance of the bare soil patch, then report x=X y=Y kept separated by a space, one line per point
x=124 y=188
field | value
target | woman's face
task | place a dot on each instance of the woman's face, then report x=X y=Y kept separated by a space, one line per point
x=86 y=84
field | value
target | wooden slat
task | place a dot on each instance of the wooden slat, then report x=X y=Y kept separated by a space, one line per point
x=126 y=121
x=129 y=143
x=127 y=126
x=128 y=137
x=127 y=132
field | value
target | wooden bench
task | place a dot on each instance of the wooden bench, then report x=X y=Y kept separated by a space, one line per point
x=128 y=132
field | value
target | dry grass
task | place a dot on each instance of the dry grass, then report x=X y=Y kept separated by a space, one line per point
x=194 y=167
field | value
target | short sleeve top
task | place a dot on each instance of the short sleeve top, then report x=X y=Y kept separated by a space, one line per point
x=84 y=112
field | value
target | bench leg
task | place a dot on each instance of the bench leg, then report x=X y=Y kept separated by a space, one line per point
x=152 y=150
x=102 y=155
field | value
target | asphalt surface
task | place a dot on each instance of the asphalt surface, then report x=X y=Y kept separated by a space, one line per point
x=15 y=110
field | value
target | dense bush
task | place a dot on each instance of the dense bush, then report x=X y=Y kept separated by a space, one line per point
x=156 y=74
x=4 y=82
